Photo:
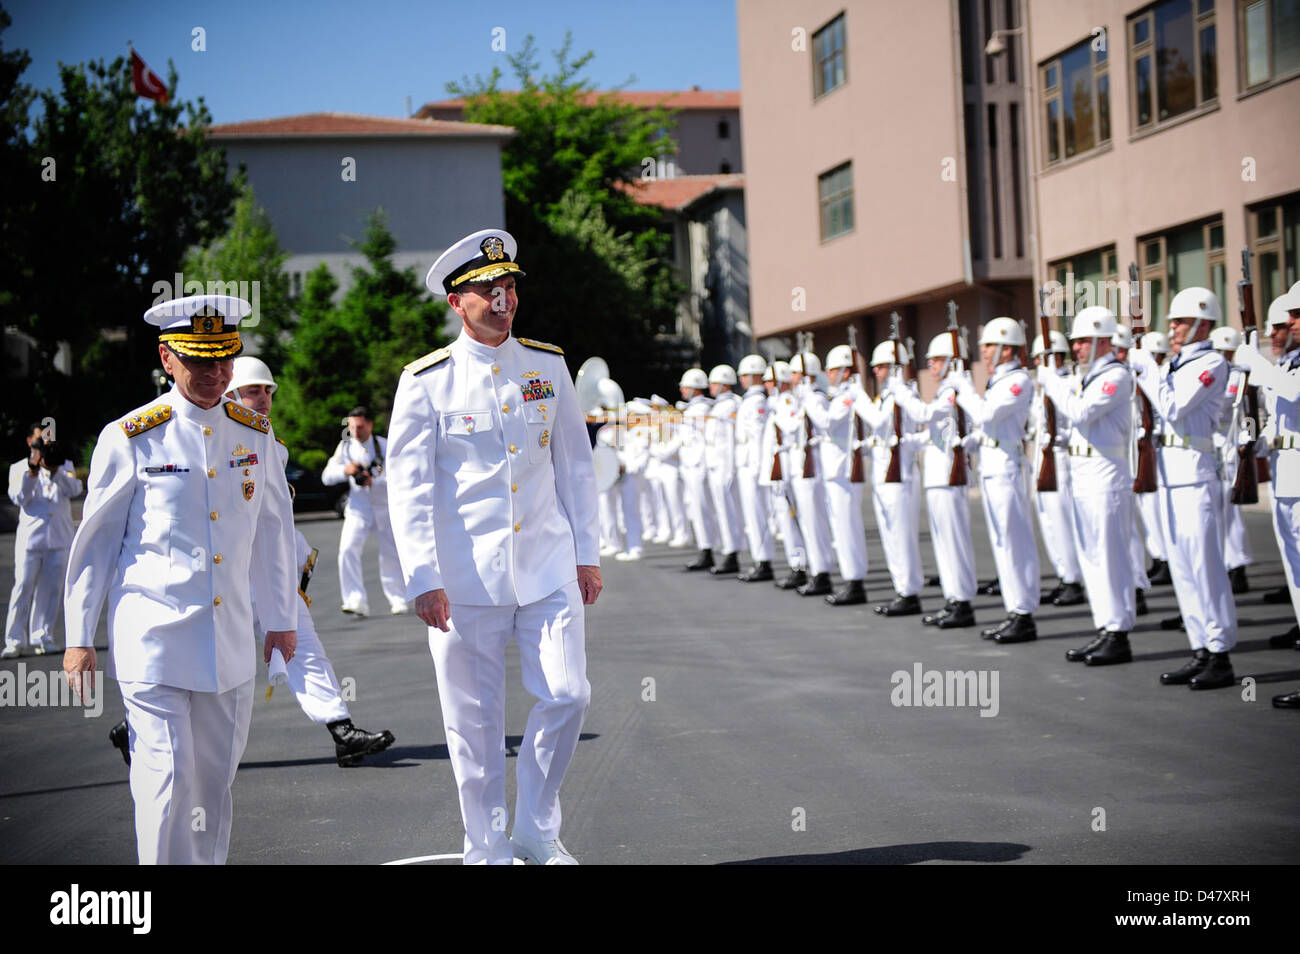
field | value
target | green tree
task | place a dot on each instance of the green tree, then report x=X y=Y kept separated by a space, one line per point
x=598 y=281
x=249 y=261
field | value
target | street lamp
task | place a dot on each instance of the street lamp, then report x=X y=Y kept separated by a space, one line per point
x=995 y=44
x=159 y=381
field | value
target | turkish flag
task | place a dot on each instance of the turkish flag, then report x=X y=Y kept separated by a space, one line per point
x=146 y=81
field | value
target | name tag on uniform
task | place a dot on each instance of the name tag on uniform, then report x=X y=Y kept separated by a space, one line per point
x=467 y=422
x=538 y=391
x=167 y=469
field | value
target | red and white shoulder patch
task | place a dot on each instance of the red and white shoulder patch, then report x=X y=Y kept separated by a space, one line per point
x=1206 y=378
x=1108 y=387
x=1232 y=389
x=1015 y=390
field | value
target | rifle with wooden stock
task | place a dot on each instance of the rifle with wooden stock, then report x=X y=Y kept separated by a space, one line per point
x=1245 y=489
x=857 y=472
x=809 y=452
x=894 y=471
x=957 y=476
x=1047 y=466
x=1144 y=480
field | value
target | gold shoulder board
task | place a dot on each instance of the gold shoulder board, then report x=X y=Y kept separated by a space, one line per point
x=540 y=345
x=248 y=417
x=281 y=443
x=429 y=360
x=137 y=424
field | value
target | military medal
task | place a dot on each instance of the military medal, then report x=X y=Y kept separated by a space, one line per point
x=248 y=490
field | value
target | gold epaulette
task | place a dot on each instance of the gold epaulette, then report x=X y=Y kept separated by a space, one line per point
x=429 y=360
x=137 y=424
x=248 y=417
x=281 y=443
x=540 y=345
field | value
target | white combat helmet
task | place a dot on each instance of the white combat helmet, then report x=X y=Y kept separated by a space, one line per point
x=781 y=372
x=1095 y=321
x=1278 y=314
x=723 y=374
x=1156 y=342
x=769 y=373
x=806 y=363
x=611 y=395
x=940 y=346
x=1123 y=337
x=694 y=378
x=752 y=364
x=1003 y=331
x=1225 y=338
x=1198 y=304
x=884 y=353
x=841 y=356
x=1059 y=345
x=250 y=370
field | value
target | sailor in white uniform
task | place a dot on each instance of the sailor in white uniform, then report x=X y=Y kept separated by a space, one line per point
x=1055 y=507
x=1227 y=439
x=808 y=388
x=779 y=463
x=720 y=462
x=755 y=502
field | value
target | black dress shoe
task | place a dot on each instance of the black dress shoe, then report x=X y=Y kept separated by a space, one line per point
x=960 y=617
x=702 y=562
x=1114 y=649
x=1078 y=655
x=120 y=736
x=1288 y=640
x=1217 y=674
x=1237 y=576
x=850 y=594
x=760 y=572
x=1289 y=700
x=1172 y=622
x=351 y=744
x=1280 y=595
x=730 y=564
x=1071 y=595
x=932 y=619
x=991 y=588
x=992 y=631
x=901 y=606
x=1142 y=603
x=1051 y=595
x=1020 y=629
x=819 y=585
x=932 y=581
x=796 y=579
x=1181 y=677
x=1158 y=575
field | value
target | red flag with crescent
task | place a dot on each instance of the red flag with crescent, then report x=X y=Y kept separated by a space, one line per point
x=146 y=81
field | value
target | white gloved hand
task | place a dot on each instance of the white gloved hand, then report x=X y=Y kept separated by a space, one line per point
x=1248 y=356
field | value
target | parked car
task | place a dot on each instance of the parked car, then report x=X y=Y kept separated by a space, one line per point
x=310 y=495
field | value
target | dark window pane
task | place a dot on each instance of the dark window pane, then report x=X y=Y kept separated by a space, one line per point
x=1266 y=222
x=1216 y=236
x=1144 y=91
x=1141 y=30
x=1152 y=251
x=1209 y=66
x=1076 y=100
x=1050 y=81
x=1256 y=23
x=1286 y=37
x=1013 y=43
x=1204 y=6
x=1103 y=107
x=1053 y=132
x=1175 y=58
x=995 y=181
x=1101 y=54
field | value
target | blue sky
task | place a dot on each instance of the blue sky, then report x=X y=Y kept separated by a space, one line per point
x=280 y=57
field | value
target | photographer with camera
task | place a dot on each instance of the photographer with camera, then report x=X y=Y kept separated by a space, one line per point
x=359 y=460
x=42 y=486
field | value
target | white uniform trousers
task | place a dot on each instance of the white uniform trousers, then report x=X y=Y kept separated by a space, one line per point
x=810 y=504
x=629 y=491
x=185 y=748
x=726 y=507
x=1104 y=529
x=352 y=541
x=754 y=509
x=1138 y=555
x=37 y=597
x=1149 y=505
x=699 y=507
x=1011 y=533
x=844 y=503
x=949 y=509
x=898 y=518
x=471 y=669
x=671 y=485
x=311 y=675
x=1286 y=526
x=1193 y=520
x=661 y=524
x=1236 y=545
x=607 y=504
x=1056 y=518
x=796 y=554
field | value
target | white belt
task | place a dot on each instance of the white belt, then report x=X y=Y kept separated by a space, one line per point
x=1091 y=450
x=1289 y=442
x=1203 y=444
x=1011 y=448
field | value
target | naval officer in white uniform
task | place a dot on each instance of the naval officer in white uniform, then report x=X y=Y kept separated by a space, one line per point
x=492 y=489
x=183 y=496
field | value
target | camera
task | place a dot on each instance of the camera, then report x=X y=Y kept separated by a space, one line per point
x=46 y=451
x=364 y=475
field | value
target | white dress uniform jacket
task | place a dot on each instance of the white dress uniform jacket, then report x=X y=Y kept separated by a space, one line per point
x=368 y=502
x=44 y=501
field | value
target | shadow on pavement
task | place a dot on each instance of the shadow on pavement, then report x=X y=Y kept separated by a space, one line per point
x=981 y=851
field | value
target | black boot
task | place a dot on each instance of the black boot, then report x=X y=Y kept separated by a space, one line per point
x=120 y=736
x=701 y=562
x=1078 y=655
x=1050 y=597
x=1071 y=595
x=1217 y=674
x=1181 y=677
x=1289 y=700
x=352 y=744
x=991 y=588
x=993 y=631
x=1288 y=640
x=1020 y=629
x=730 y=564
x=1280 y=595
x=796 y=579
x=1158 y=575
x=1172 y=622
x=960 y=617
x=850 y=594
x=819 y=585
x=760 y=572
x=1115 y=649
x=1237 y=576
x=901 y=606
x=932 y=619
x=1142 y=603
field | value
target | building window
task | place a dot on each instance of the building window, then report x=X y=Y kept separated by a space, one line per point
x=1173 y=60
x=297 y=284
x=1089 y=278
x=724 y=129
x=1187 y=257
x=836 y=192
x=1274 y=230
x=1268 y=34
x=828 y=57
x=1076 y=100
